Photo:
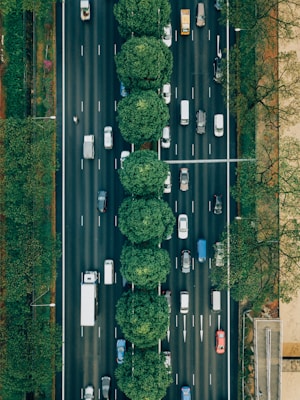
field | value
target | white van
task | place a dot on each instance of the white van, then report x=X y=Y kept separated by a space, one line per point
x=216 y=300
x=184 y=112
x=109 y=272
x=184 y=302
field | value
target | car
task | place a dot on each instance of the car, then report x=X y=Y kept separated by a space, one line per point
x=166 y=93
x=167 y=36
x=121 y=347
x=219 y=5
x=124 y=155
x=217 y=204
x=186 y=261
x=102 y=201
x=186 y=393
x=167 y=294
x=166 y=138
x=200 y=121
x=220 y=341
x=219 y=125
x=183 y=226
x=167 y=355
x=105 y=384
x=219 y=254
x=200 y=15
x=184 y=179
x=218 y=72
x=88 y=392
x=108 y=137
x=184 y=302
x=168 y=183
x=123 y=91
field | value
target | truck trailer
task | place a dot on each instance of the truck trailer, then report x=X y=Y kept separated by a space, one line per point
x=88 y=147
x=185 y=21
x=85 y=10
x=89 y=292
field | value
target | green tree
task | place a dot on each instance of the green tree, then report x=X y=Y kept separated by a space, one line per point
x=143 y=174
x=142 y=116
x=145 y=267
x=143 y=375
x=143 y=317
x=143 y=220
x=142 y=17
x=144 y=63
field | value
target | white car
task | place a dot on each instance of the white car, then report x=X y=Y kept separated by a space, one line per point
x=219 y=125
x=166 y=138
x=89 y=392
x=183 y=226
x=167 y=37
x=108 y=138
x=166 y=93
x=219 y=254
x=167 y=355
x=168 y=184
x=124 y=155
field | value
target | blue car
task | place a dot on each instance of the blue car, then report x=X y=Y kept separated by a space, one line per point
x=123 y=92
x=186 y=393
x=121 y=347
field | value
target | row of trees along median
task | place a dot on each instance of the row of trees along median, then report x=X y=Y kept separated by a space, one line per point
x=144 y=64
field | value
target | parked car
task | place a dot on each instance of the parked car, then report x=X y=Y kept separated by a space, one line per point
x=219 y=5
x=123 y=91
x=102 y=201
x=167 y=294
x=167 y=355
x=168 y=183
x=166 y=138
x=166 y=93
x=184 y=179
x=108 y=137
x=183 y=226
x=220 y=341
x=218 y=204
x=167 y=36
x=124 y=155
x=219 y=254
x=200 y=121
x=105 y=383
x=121 y=347
x=89 y=392
x=186 y=393
x=186 y=261
x=219 y=125
x=218 y=72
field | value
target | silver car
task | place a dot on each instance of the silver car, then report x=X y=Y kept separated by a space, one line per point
x=184 y=179
x=186 y=261
x=219 y=254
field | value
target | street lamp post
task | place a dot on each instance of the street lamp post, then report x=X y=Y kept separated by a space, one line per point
x=51 y=117
x=32 y=304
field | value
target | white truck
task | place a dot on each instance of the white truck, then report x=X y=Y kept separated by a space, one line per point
x=88 y=301
x=88 y=147
x=85 y=10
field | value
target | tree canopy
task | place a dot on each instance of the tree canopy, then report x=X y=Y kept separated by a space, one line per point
x=143 y=317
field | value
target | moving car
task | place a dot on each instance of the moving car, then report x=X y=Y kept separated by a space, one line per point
x=200 y=121
x=102 y=201
x=184 y=302
x=167 y=294
x=219 y=125
x=109 y=272
x=217 y=204
x=200 y=16
x=186 y=261
x=167 y=36
x=166 y=138
x=89 y=392
x=220 y=341
x=219 y=254
x=218 y=72
x=124 y=154
x=186 y=393
x=184 y=179
x=108 y=137
x=121 y=347
x=183 y=226
x=168 y=184
x=105 y=383
x=166 y=93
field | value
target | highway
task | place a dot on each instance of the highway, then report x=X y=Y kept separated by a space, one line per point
x=92 y=91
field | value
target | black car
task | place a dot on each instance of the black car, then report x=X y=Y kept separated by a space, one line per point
x=102 y=201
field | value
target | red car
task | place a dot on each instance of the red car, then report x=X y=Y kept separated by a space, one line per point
x=220 y=342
